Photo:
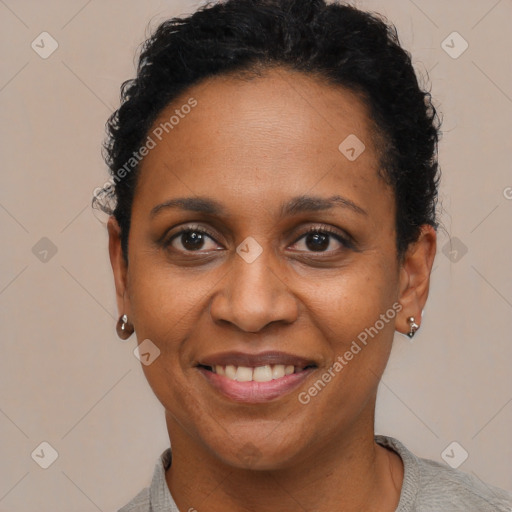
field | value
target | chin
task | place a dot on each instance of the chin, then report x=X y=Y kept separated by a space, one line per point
x=269 y=452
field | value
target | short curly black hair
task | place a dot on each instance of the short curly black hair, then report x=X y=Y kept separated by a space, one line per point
x=357 y=50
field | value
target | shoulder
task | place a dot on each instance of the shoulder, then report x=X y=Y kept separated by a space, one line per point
x=430 y=485
x=140 y=503
x=156 y=497
x=450 y=487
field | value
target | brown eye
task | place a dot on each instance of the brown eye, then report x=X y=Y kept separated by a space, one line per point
x=320 y=240
x=191 y=239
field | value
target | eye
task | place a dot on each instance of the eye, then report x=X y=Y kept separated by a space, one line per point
x=320 y=239
x=191 y=239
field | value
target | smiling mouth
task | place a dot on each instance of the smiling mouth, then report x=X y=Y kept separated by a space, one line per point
x=265 y=373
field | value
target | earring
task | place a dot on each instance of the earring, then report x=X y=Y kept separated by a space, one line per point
x=124 y=328
x=413 y=327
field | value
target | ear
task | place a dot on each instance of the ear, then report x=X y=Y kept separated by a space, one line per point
x=414 y=278
x=119 y=265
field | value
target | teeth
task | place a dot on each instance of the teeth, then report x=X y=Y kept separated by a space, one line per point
x=230 y=371
x=278 y=371
x=262 y=374
x=259 y=374
x=243 y=374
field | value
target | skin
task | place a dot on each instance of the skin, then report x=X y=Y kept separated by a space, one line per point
x=252 y=146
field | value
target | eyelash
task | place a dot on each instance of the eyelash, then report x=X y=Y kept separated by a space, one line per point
x=321 y=229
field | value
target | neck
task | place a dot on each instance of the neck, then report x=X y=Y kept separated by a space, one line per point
x=350 y=473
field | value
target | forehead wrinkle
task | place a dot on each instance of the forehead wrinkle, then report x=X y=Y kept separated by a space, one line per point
x=292 y=207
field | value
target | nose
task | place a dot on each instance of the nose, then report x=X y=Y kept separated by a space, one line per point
x=253 y=295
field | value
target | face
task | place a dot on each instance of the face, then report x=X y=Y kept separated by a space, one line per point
x=277 y=259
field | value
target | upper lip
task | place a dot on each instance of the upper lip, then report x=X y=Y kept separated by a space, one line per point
x=255 y=360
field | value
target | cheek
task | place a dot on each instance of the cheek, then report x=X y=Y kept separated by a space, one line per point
x=356 y=312
x=165 y=307
x=163 y=301
x=351 y=300
x=163 y=311
x=180 y=401
x=360 y=344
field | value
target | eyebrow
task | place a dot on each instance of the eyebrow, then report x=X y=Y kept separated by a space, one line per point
x=294 y=206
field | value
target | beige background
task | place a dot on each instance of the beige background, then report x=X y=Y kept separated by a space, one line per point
x=66 y=378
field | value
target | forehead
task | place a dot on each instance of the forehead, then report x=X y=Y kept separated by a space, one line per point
x=279 y=107
x=281 y=129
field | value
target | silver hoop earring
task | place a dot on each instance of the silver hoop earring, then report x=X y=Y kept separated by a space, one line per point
x=413 y=327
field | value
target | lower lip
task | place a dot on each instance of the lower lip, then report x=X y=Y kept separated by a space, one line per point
x=255 y=392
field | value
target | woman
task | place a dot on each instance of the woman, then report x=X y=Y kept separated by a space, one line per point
x=275 y=176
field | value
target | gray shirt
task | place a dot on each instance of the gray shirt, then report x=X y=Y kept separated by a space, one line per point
x=428 y=486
